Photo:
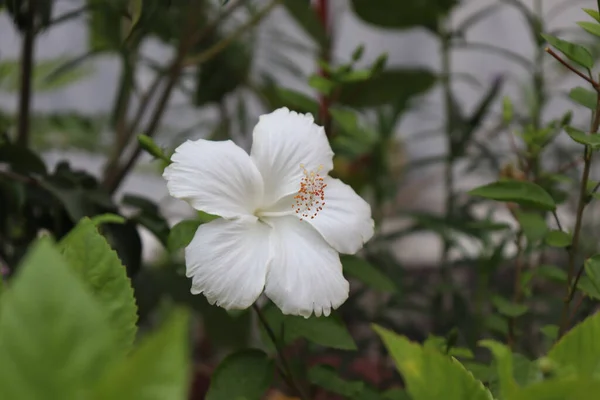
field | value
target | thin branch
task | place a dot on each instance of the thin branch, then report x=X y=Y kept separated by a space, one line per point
x=555 y=215
x=26 y=75
x=286 y=368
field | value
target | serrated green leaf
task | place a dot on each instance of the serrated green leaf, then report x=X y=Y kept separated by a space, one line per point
x=574 y=52
x=182 y=234
x=585 y=97
x=422 y=366
x=592 y=140
x=97 y=264
x=362 y=270
x=54 y=339
x=520 y=192
x=246 y=374
x=590 y=27
x=508 y=308
x=580 y=348
x=157 y=369
x=328 y=378
x=556 y=238
x=533 y=225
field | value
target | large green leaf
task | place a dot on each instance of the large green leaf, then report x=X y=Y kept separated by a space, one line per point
x=421 y=367
x=246 y=374
x=91 y=257
x=580 y=348
x=521 y=192
x=403 y=14
x=574 y=52
x=54 y=340
x=158 y=369
x=395 y=86
x=568 y=389
x=504 y=365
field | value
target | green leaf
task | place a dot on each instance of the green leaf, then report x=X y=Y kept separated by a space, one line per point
x=504 y=365
x=365 y=272
x=574 y=52
x=590 y=27
x=557 y=238
x=592 y=140
x=592 y=269
x=395 y=86
x=277 y=97
x=157 y=369
x=551 y=272
x=325 y=331
x=404 y=15
x=321 y=84
x=99 y=267
x=592 y=13
x=585 y=97
x=107 y=218
x=508 y=308
x=246 y=374
x=550 y=331
x=533 y=225
x=306 y=17
x=420 y=367
x=328 y=378
x=54 y=340
x=182 y=234
x=150 y=146
x=580 y=348
x=520 y=192
x=568 y=389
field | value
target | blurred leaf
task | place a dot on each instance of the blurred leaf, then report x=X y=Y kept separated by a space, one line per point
x=277 y=97
x=520 y=192
x=574 y=52
x=328 y=378
x=590 y=27
x=558 y=239
x=395 y=86
x=54 y=340
x=21 y=159
x=45 y=76
x=579 y=348
x=592 y=140
x=97 y=264
x=568 y=389
x=585 y=97
x=550 y=331
x=150 y=146
x=508 y=308
x=392 y=14
x=246 y=374
x=158 y=368
x=149 y=216
x=592 y=269
x=592 y=13
x=321 y=84
x=365 y=272
x=105 y=27
x=182 y=234
x=533 y=225
x=304 y=14
x=504 y=365
x=421 y=366
x=325 y=331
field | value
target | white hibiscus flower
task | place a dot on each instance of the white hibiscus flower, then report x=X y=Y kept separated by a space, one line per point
x=283 y=223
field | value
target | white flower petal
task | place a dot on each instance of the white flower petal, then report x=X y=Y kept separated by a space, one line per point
x=345 y=220
x=228 y=261
x=215 y=177
x=305 y=275
x=282 y=140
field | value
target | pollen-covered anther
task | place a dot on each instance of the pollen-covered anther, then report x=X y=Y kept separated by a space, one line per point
x=311 y=195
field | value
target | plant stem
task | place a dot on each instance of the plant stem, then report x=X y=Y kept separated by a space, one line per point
x=583 y=193
x=517 y=289
x=287 y=371
x=26 y=75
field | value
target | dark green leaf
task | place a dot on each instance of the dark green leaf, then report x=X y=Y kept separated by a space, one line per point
x=306 y=17
x=592 y=140
x=521 y=192
x=246 y=374
x=533 y=225
x=327 y=378
x=585 y=97
x=367 y=273
x=321 y=84
x=182 y=234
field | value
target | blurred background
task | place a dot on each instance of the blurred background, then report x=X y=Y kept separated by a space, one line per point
x=422 y=101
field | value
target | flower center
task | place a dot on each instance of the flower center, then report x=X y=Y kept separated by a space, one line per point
x=311 y=196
